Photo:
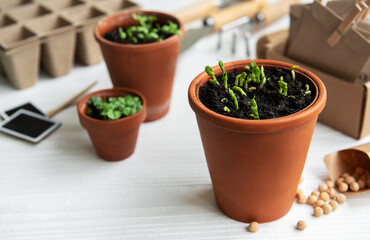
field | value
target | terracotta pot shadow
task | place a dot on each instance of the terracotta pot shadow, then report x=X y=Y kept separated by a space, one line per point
x=255 y=165
x=148 y=68
x=113 y=140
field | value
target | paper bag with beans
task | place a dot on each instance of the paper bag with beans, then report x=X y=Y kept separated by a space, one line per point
x=335 y=43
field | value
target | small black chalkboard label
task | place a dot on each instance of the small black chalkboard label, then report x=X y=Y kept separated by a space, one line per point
x=27 y=106
x=29 y=125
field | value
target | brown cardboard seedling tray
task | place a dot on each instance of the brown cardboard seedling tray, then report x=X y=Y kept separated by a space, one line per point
x=348 y=104
x=53 y=32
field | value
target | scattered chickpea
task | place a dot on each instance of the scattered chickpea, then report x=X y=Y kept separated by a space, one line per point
x=344 y=175
x=339 y=180
x=301 y=225
x=301 y=198
x=319 y=203
x=299 y=190
x=334 y=205
x=316 y=193
x=324 y=196
x=253 y=227
x=349 y=179
x=362 y=183
x=332 y=193
x=343 y=187
x=341 y=198
x=323 y=187
x=356 y=176
x=312 y=199
x=327 y=208
x=318 y=212
x=354 y=186
x=330 y=184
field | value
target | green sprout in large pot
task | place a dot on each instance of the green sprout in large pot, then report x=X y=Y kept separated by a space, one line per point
x=113 y=108
x=254 y=92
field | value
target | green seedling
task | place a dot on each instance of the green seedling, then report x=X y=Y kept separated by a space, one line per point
x=210 y=73
x=233 y=97
x=263 y=78
x=251 y=89
x=236 y=88
x=248 y=80
x=224 y=73
x=308 y=91
x=283 y=86
x=255 y=72
x=254 y=108
x=224 y=100
x=113 y=108
x=292 y=71
x=148 y=30
x=239 y=80
x=226 y=109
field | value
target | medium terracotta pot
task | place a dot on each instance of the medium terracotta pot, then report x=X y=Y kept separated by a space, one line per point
x=114 y=139
x=256 y=165
x=148 y=68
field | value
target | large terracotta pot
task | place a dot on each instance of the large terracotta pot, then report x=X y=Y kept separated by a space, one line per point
x=114 y=139
x=256 y=165
x=148 y=68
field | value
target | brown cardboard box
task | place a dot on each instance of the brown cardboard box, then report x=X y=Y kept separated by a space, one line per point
x=348 y=104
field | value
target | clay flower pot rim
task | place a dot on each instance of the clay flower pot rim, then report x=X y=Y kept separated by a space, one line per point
x=262 y=125
x=155 y=45
x=113 y=90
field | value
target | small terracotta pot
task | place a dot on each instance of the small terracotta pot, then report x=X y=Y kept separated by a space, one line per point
x=148 y=68
x=256 y=165
x=113 y=139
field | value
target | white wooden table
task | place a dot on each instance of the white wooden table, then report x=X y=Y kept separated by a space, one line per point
x=60 y=189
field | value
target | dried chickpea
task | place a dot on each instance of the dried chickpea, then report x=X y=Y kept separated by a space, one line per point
x=360 y=170
x=332 y=193
x=349 y=179
x=318 y=212
x=253 y=227
x=301 y=198
x=362 y=183
x=316 y=193
x=354 y=186
x=343 y=187
x=324 y=196
x=344 y=175
x=330 y=184
x=301 y=225
x=323 y=187
x=319 y=203
x=341 y=198
x=326 y=208
x=299 y=190
x=339 y=180
x=334 y=205
x=312 y=199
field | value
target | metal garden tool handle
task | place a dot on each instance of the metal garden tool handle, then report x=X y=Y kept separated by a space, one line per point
x=196 y=11
x=246 y=9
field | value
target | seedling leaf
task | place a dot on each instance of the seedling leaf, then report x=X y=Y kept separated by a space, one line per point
x=254 y=108
x=283 y=86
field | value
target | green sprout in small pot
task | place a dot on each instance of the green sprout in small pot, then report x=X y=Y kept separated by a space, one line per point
x=255 y=92
x=147 y=30
x=113 y=108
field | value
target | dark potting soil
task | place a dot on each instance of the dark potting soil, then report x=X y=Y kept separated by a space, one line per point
x=114 y=36
x=271 y=104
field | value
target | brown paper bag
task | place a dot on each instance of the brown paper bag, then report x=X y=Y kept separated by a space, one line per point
x=311 y=26
x=346 y=161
